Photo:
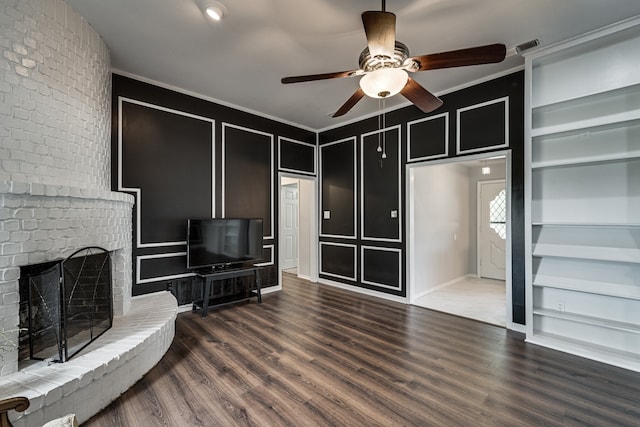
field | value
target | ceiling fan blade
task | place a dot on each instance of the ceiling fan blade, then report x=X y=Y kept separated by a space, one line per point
x=357 y=96
x=458 y=58
x=422 y=98
x=325 y=76
x=380 y=28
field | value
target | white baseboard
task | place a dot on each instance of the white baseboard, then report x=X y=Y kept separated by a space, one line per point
x=363 y=291
x=442 y=285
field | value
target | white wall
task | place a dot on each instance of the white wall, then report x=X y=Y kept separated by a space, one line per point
x=305 y=223
x=440 y=235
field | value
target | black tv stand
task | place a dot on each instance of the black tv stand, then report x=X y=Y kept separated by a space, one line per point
x=207 y=277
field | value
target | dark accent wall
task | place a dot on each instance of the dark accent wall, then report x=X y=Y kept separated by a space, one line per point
x=185 y=157
x=471 y=121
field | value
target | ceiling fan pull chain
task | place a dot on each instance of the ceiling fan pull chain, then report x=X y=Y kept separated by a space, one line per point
x=379 y=149
x=384 y=132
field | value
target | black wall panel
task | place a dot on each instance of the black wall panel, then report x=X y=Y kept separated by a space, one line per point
x=162 y=266
x=168 y=157
x=338 y=188
x=338 y=260
x=381 y=267
x=248 y=176
x=380 y=186
x=482 y=126
x=297 y=156
x=488 y=123
x=428 y=137
x=167 y=153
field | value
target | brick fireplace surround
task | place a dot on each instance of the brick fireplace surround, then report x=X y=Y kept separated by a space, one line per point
x=55 y=198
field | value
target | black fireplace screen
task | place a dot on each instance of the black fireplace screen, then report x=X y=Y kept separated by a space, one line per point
x=65 y=305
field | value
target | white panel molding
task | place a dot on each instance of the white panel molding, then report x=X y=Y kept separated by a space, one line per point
x=355 y=186
x=399 y=217
x=503 y=144
x=381 y=285
x=271 y=182
x=355 y=260
x=140 y=258
x=446 y=137
x=138 y=191
x=270 y=262
x=315 y=156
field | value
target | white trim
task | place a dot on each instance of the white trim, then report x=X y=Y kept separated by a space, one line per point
x=399 y=204
x=355 y=190
x=223 y=167
x=305 y=127
x=504 y=144
x=270 y=262
x=437 y=93
x=596 y=34
x=441 y=286
x=139 y=258
x=355 y=261
x=363 y=291
x=315 y=157
x=313 y=257
x=138 y=191
x=508 y=249
x=446 y=137
x=381 y=285
x=208 y=98
x=528 y=246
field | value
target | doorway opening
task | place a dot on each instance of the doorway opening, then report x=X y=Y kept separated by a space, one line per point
x=459 y=237
x=297 y=231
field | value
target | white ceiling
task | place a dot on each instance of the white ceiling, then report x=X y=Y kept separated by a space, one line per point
x=240 y=60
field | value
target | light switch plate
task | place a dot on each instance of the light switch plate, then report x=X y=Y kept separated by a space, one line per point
x=394 y=214
x=326 y=214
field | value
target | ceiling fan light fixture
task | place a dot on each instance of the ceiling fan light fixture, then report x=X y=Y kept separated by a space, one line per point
x=384 y=82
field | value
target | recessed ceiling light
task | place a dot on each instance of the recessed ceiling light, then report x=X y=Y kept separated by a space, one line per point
x=212 y=9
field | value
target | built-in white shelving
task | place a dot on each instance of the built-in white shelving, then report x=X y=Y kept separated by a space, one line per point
x=583 y=195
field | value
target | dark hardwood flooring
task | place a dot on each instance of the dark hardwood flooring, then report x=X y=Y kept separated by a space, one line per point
x=316 y=355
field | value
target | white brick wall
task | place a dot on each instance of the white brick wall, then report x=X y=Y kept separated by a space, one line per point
x=55 y=96
x=55 y=104
x=55 y=100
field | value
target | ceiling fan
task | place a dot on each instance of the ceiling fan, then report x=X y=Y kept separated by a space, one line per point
x=385 y=64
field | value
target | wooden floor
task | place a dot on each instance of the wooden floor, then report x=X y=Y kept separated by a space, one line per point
x=315 y=355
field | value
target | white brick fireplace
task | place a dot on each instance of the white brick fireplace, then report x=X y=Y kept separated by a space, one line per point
x=55 y=198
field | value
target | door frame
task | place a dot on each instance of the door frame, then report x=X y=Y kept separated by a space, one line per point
x=411 y=239
x=479 y=217
x=313 y=225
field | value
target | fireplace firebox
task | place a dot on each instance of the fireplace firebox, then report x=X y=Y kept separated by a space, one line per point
x=64 y=305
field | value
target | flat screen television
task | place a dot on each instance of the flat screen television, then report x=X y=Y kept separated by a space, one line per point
x=219 y=242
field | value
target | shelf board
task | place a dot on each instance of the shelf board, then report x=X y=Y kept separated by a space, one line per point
x=587 y=252
x=603 y=354
x=586 y=224
x=602 y=158
x=616 y=290
x=586 y=124
x=589 y=320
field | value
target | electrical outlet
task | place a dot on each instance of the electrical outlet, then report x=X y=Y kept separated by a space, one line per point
x=326 y=214
x=394 y=214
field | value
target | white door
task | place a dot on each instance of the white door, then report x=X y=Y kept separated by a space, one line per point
x=492 y=229
x=289 y=226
